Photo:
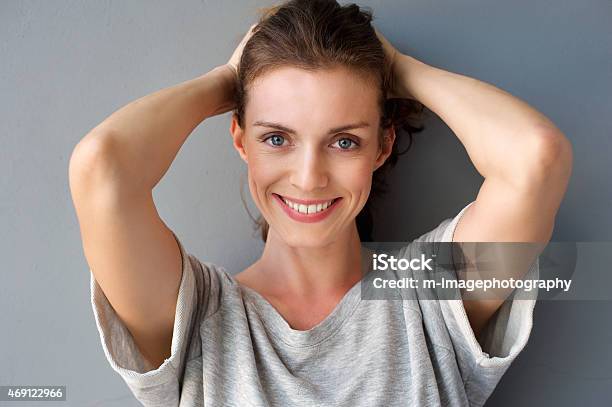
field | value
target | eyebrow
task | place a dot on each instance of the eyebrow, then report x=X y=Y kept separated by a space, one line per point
x=286 y=129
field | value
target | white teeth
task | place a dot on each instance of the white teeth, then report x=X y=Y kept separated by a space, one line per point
x=307 y=209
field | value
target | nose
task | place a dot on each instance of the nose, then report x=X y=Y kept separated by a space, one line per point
x=309 y=171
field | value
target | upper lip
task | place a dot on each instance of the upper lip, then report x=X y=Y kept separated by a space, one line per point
x=306 y=201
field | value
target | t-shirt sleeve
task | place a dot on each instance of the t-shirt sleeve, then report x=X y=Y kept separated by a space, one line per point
x=161 y=386
x=503 y=338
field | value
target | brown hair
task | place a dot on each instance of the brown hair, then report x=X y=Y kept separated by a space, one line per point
x=321 y=34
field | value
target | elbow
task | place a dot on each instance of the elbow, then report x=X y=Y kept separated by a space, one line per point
x=551 y=155
x=87 y=153
x=90 y=156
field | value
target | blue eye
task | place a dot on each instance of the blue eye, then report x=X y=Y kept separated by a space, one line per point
x=344 y=143
x=277 y=140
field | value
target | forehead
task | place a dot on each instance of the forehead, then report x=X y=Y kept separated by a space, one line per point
x=301 y=97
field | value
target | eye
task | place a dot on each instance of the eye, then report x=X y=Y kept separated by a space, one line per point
x=277 y=140
x=345 y=144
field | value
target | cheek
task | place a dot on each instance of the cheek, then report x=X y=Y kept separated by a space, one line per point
x=355 y=176
x=259 y=167
x=263 y=173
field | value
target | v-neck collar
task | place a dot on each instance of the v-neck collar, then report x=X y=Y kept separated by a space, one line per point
x=281 y=329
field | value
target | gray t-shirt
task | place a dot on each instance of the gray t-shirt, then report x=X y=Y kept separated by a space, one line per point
x=230 y=347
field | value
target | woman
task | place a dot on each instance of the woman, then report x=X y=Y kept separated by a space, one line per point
x=309 y=86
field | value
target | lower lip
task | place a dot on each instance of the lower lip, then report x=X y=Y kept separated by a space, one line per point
x=307 y=217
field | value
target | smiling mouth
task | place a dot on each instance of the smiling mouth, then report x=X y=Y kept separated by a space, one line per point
x=308 y=209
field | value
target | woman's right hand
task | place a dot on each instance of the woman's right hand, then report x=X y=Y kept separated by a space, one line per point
x=235 y=58
x=228 y=76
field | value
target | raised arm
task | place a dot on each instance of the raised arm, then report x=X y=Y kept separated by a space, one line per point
x=113 y=169
x=525 y=159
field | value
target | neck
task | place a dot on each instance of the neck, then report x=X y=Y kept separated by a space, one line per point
x=308 y=272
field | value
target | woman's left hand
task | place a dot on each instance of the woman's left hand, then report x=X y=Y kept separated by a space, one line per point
x=393 y=56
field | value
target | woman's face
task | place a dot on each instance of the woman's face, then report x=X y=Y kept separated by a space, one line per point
x=311 y=135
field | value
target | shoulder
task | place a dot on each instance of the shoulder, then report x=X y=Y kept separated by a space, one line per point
x=445 y=230
x=213 y=285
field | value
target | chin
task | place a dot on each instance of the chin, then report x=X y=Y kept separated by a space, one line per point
x=306 y=240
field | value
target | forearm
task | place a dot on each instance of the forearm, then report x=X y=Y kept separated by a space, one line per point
x=503 y=135
x=145 y=136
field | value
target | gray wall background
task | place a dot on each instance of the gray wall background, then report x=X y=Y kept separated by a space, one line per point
x=67 y=65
